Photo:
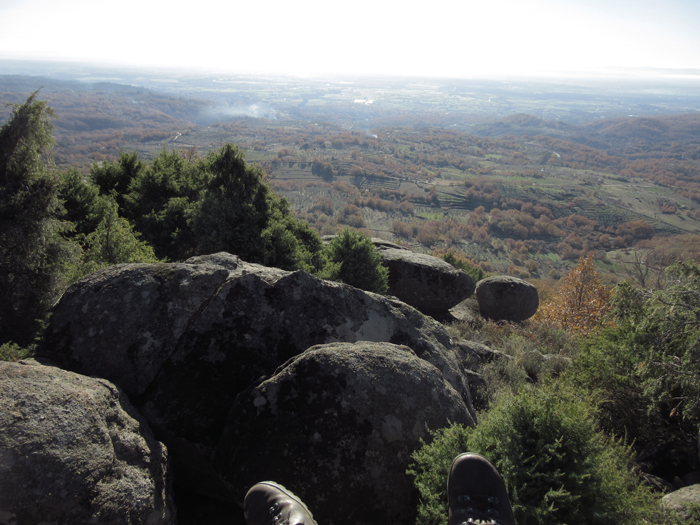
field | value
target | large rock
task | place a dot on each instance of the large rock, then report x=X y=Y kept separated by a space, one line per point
x=465 y=312
x=337 y=425
x=427 y=283
x=184 y=339
x=475 y=356
x=505 y=298
x=683 y=501
x=380 y=244
x=73 y=450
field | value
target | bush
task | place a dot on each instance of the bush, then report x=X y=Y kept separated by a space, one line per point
x=217 y=203
x=662 y=327
x=644 y=370
x=461 y=262
x=558 y=468
x=13 y=352
x=609 y=370
x=360 y=264
x=113 y=242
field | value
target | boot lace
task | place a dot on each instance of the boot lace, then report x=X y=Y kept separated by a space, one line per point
x=477 y=509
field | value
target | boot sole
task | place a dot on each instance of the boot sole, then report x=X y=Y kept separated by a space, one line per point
x=289 y=493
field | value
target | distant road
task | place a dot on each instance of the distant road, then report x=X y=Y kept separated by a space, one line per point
x=542 y=147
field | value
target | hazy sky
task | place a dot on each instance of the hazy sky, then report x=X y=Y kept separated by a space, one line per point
x=435 y=37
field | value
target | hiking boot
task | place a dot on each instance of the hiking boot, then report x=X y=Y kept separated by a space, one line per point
x=269 y=503
x=476 y=492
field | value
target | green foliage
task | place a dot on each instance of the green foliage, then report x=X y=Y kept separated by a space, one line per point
x=81 y=203
x=116 y=177
x=240 y=214
x=558 y=468
x=360 y=264
x=235 y=209
x=113 y=242
x=476 y=272
x=645 y=371
x=430 y=469
x=159 y=199
x=162 y=201
x=184 y=207
x=13 y=352
x=605 y=367
x=33 y=254
x=664 y=329
x=290 y=243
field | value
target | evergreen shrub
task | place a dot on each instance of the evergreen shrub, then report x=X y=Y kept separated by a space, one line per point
x=13 y=352
x=355 y=261
x=460 y=262
x=557 y=466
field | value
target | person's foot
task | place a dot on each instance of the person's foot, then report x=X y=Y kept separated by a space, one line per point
x=269 y=503
x=476 y=492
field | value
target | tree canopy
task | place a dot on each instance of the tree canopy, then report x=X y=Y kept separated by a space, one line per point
x=56 y=227
x=33 y=253
x=217 y=203
x=360 y=264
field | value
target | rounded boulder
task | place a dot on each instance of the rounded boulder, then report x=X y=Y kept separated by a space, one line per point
x=682 y=501
x=74 y=450
x=505 y=298
x=427 y=283
x=337 y=425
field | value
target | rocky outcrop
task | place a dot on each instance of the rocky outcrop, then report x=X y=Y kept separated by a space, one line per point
x=427 y=283
x=475 y=355
x=337 y=424
x=74 y=450
x=682 y=501
x=184 y=340
x=380 y=244
x=465 y=312
x=656 y=483
x=504 y=298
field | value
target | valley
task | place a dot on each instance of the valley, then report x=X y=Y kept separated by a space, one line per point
x=519 y=177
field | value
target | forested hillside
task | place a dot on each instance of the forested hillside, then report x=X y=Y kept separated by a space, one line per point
x=521 y=194
x=95 y=121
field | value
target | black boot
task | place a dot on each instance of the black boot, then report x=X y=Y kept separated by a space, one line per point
x=269 y=503
x=476 y=492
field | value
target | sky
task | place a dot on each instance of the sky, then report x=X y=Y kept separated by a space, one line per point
x=460 y=39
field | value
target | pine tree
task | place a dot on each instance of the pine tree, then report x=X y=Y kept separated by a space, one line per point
x=113 y=242
x=360 y=264
x=33 y=254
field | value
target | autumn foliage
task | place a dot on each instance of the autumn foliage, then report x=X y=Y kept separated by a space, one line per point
x=581 y=303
